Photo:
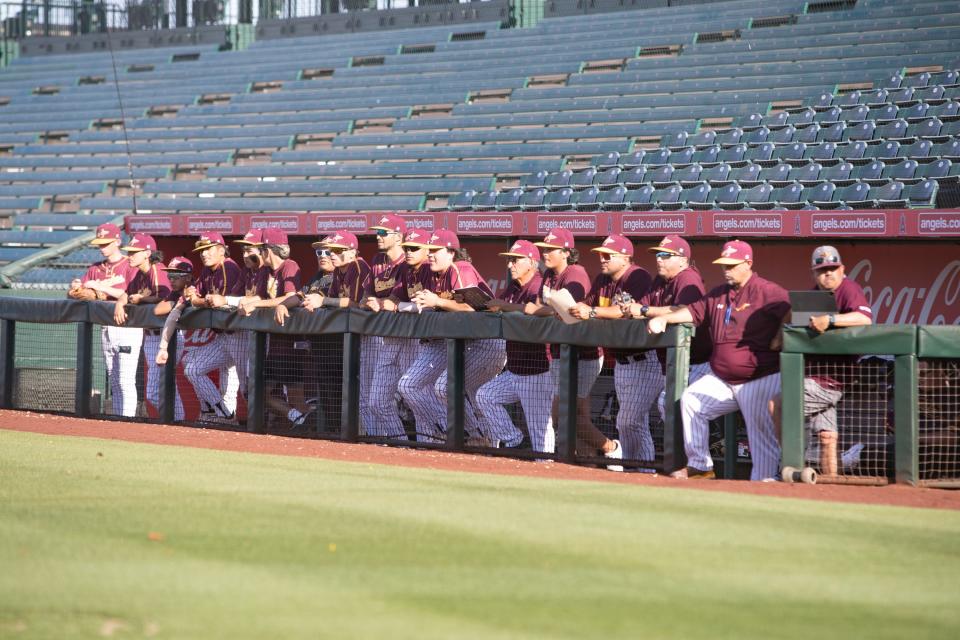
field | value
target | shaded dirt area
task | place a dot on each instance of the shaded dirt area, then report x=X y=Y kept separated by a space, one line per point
x=431 y=459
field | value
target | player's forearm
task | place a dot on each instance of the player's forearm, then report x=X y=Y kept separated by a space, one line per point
x=452 y=305
x=608 y=313
x=679 y=316
x=654 y=312
x=851 y=319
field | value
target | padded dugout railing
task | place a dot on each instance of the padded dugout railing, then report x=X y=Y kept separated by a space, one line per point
x=353 y=324
x=913 y=403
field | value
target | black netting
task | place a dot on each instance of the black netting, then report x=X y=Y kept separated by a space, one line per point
x=45 y=368
x=939 y=414
x=848 y=407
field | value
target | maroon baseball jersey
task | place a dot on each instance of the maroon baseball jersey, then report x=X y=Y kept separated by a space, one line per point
x=255 y=282
x=224 y=280
x=352 y=281
x=411 y=281
x=153 y=282
x=460 y=275
x=385 y=274
x=742 y=325
x=832 y=372
x=284 y=279
x=606 y=292
x=105 y=270
x=575 y=280
x=685 y=289
x=525 y=358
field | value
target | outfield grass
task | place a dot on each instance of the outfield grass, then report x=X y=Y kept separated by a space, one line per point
x=151 y=541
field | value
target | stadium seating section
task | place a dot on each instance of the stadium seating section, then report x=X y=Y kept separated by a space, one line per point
x=744 y=105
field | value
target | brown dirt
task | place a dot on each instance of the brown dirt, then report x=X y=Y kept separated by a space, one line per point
x=430 y=459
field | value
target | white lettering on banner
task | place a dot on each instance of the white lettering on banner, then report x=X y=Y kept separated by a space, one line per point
x=199 y=225
x=154 y=225
x=899 y=308
x=586 y=224
x=285 y=223
x=333 y=224
x=415 y=222
x=875 y=223
x=938 y=223
x=747 y=223
x=488 y=223
x=654 y=223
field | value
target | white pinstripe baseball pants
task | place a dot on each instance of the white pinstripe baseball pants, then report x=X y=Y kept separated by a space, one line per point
x=121 y=354
x=203 y=359
x=587 y=373
x=697 y=371
x=638 y=383
x=483 y=360
x=709 y=398
x=535 y=395
x=151 y=344
x=393 y=356
x=237 y=345
x=416 y=388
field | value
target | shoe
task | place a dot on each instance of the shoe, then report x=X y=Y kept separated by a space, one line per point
x=480 y=441
x=616 y=454
x=303 y=419
x=692 y=473
x=851 y=457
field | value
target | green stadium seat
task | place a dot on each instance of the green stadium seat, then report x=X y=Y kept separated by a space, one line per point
x=558 y=200
x=836 y=173
x=821 y=151
x=922 y=194
x=608 y=177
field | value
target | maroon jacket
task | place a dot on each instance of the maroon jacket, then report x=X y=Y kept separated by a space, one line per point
x=742 y=325
x=525 y=358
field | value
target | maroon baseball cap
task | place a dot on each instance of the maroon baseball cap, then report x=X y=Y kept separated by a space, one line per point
x=106 y=233
x=735 y=252
x=444 y=239
x=271 y=235
x=391 y=222
x=615 y=244
x=339 y=240
x=253 y=237
x=825 y=257
x=140 y=242
x=180 y=264
x=416 y=238
x=672 y=244
x=523 y=249
x=208 y=240
x=558 y=238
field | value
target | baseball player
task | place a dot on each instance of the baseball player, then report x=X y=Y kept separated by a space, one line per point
x=678 y=283
x=827 y=375
x=527 y=378
x=636 y=376
x=392 y=356
x=149 y=285
x=560 y=257
x=108 y=280
x=424 y=385
x=410 y=281
x=220 y=277
x=323 y=371
x=180 y=273
x=745 y=317
x=269 y=286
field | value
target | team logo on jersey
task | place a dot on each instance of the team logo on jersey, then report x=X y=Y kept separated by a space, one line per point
x=146 y=292
x=741 y=307
x=272 y=287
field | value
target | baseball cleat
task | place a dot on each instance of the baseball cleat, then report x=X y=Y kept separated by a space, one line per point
x=691 y=473
x=616 y=454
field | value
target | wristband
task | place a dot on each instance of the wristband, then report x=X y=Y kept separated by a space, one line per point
x=832 y=321
x=233 y=301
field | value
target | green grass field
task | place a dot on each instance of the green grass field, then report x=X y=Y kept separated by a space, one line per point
x=112 y=539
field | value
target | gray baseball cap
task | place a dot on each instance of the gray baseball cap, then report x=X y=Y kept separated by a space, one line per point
x=825 y=256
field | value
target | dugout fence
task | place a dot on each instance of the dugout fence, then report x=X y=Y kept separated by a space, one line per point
x=331 y=346
x=898 y=410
